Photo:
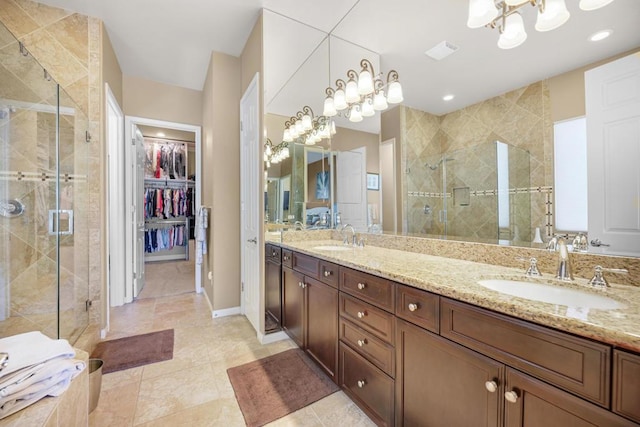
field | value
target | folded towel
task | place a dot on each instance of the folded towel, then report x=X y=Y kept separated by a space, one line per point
x=24 y=378
x=53 y=385
x=32 y=348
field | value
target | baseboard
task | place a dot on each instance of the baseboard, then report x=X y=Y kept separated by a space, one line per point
x=226 y=312
x=273 y=337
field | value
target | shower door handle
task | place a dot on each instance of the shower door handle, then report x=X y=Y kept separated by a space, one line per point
x=59 y=217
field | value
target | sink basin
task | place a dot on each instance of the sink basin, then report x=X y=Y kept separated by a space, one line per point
x=332 y=248
x=551 y=294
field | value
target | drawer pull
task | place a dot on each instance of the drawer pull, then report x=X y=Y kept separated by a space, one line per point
x=491 y=386
x=300 y=284
x=362 y=343
x=273 y=254
x=361 y=383
x=361 y=314
x=286 y=258
x=327 y=273
x=413 y=307
x=511 y=396
x=361 y=286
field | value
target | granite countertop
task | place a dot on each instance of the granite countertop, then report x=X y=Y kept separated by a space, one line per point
x=457 y=279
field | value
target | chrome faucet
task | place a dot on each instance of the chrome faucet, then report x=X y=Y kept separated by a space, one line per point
x=598 y=280
x=345 y=239
x=559 y=244
x=298 y=225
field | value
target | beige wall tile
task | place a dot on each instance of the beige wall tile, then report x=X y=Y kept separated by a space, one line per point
x=42 y=14
x=16 y=19
x=72 y=32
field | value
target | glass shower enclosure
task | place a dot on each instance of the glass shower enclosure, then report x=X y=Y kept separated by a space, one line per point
x=44 y=205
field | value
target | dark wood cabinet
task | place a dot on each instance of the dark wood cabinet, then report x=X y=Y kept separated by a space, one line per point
x=533 y=403
x=626 y=384
x=322 y=325
x=272 y=285
x=440 y=383
x=293 y=297
x=310 y=317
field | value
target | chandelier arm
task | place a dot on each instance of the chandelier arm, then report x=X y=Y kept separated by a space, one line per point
x=352 y=75
x=330 y=92
x=367 y=65
x=340 y=84
x=392 y=76
x=307 y=110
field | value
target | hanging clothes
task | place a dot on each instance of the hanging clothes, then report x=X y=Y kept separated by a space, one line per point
x=164 y=238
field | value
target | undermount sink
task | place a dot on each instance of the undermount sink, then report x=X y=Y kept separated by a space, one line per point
x=551 y=294
x=332 y=248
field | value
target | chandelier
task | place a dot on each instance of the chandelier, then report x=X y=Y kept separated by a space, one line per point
x=505 y=16
x=305 y=128
x=363 y=94
x=275 y=154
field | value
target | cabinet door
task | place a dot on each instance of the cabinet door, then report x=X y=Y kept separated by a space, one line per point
x=293 y=305
x=272 y=290
x=532 y=403
x=322 y=325
x=440 y=383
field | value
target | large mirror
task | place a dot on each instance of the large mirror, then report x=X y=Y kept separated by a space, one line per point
x=479 y=167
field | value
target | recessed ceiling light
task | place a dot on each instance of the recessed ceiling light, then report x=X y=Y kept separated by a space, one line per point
x=448 y=97
x=600 y=35
x=160 y=134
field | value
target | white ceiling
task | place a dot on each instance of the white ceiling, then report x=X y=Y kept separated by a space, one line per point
x=158 y=40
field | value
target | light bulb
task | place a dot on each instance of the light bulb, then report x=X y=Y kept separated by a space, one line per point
x=355 y=115
x=555 y=14
x=306 y=122
x=380 y=101
x=365 y=83
x=299 y=127
x=513 y=33
x=339 y=100
x=481 y=13
x=367 y=108
x=287 y=136
x=395 y=93
x=329 y=107
x=267 y=150
x=351 y=92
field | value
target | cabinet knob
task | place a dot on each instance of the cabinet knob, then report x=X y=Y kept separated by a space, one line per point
x=361 y=343
x=273 y=254
x=361 y=383
x=361 y=314
x=361 y=286
x=413 y=307
x=491 y=386
x=327 y=273
x=286 y=258
x=511 y=396
x=304 y=285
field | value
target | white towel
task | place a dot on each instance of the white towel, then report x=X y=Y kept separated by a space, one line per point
x=32 y=348
x=54 y=378
x=24 y=378
x=202 y=223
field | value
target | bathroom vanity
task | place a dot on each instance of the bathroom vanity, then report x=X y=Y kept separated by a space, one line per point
x=414 y=340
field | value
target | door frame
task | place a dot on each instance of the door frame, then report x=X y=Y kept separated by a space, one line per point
x=388 y=185
x=126 y=160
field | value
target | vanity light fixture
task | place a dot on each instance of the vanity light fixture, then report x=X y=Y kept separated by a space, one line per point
x=275 y=154
x=363 y=94
x=305 y=128
x=505 y=16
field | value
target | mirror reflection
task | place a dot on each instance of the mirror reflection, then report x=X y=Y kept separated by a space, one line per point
x=482 y=172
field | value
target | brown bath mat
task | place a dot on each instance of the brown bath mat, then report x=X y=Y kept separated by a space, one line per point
x=270 y=388
x=138 y=350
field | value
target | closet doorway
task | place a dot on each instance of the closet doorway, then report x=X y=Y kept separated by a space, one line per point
x=162 y=193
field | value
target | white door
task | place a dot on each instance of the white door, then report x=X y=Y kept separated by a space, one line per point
x=613 y=155
x=250 y=175
x=351 y=188
x=138 y=203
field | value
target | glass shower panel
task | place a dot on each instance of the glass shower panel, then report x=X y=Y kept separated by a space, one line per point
x=73 y=218
x=28 y=252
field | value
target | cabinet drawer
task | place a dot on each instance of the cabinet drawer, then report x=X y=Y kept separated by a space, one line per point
x=372 y=319
x=273 y=253
x=418 y=307
x=306 y=264
x=329 y=273
x=575 y=364
x=369 y=387
x=373 y=349
x=375 y=290
x=626 y=384
x=287 y=258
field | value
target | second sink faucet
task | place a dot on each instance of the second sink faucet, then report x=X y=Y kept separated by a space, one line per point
x=559 y=244
x=345 y=239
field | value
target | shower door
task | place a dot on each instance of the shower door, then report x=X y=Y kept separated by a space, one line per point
x=43 y=201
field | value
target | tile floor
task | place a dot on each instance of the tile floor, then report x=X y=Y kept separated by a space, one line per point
x=193 y=389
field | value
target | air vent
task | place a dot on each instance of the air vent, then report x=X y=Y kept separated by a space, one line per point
x=441 y=50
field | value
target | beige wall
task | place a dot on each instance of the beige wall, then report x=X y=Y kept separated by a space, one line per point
x=391 y=125
x=154 y=100
x=111 y=72
x=567 y=90
x=221 y=179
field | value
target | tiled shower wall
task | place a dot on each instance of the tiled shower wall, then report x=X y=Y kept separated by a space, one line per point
x=68 y=45
x=521 y=118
